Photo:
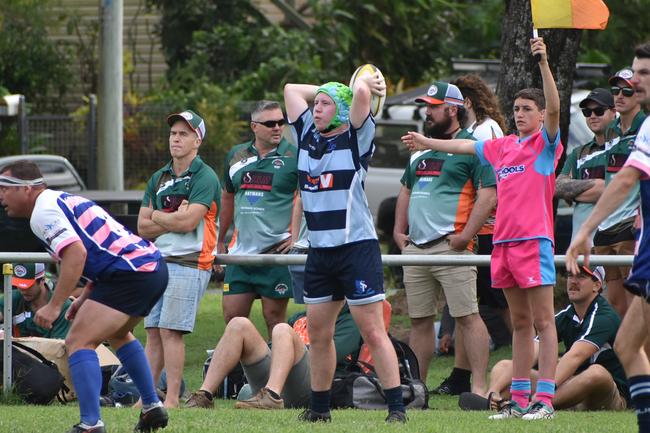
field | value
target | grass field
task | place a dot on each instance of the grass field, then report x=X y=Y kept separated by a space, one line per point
x=444 y=415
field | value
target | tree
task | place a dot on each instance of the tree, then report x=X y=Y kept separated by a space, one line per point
x=518 y=68
x=31 y=63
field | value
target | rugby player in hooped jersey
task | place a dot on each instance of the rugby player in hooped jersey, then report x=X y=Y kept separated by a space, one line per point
x=126 y=276
x=522 y=259
x=633 y=333
x=344 y=260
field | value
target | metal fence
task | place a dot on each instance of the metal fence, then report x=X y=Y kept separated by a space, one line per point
x=259 y=260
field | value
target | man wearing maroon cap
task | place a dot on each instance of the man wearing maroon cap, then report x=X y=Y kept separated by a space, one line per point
x=615 y=235
x=31 y=292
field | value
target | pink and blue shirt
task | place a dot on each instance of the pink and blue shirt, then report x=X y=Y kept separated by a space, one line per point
x=525 y=173
x=60 y=219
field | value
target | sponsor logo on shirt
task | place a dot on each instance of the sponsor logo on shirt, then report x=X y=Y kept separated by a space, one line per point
x=257 y=180
x=616 y=162
x=324 y=181
x=593 y=172
x=253 y=196
x=429 y=167
x=504 y=172
x=52 y=231
x=171 y=203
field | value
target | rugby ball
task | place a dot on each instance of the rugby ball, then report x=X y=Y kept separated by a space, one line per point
x=377 y=101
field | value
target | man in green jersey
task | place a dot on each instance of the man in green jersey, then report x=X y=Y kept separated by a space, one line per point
x=615 y=235
x=583 y=176
x=261 y=180
x=444 y=201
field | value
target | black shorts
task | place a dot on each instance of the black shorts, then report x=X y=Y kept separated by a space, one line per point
x=352 y=271
x=132 y=293
x=486 y=294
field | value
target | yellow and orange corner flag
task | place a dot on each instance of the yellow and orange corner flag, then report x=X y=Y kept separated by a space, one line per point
x=569 y=14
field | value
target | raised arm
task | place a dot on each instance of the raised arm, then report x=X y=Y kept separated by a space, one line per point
x=416 y=141
x=297 y=98
x=552 y=112
x=366 y=86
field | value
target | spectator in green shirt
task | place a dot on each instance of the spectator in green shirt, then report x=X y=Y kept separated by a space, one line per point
x=31 y=292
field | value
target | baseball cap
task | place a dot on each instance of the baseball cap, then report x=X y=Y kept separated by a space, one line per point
x=600 y=96
x=595 y=272
x=192 y=119
x=440 y=93
x=624 y=74
x=25 y=274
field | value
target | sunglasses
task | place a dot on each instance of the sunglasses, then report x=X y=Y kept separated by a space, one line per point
x=598 y=111
x=627 y=91
x=270 y=123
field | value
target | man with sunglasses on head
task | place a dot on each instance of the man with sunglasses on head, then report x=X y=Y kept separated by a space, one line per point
x=583 y=176
x=261 y=181
x=180 y=210
x=615 y=235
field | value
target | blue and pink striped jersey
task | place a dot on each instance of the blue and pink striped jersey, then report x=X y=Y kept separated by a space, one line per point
x=60 y=219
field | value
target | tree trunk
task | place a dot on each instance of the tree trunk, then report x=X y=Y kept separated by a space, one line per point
x=518 y=69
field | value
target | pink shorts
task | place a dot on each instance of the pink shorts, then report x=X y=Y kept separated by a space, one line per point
x=523 y=264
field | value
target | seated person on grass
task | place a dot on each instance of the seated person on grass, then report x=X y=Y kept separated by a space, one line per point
x=589 y=376
x=279 y=375
x=31 y=292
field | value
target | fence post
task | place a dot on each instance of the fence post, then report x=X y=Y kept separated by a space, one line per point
x=91 y=138
x=23 y=128
x=8 y=315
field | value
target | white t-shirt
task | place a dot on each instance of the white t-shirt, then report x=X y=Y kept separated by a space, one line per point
x=488 y=130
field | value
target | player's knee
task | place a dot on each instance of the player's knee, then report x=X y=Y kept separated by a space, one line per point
x=281 y=330
x=502 y=366
x=239 y=325
x=597 y=374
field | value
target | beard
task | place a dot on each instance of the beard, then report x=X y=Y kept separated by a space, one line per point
x=437 y=130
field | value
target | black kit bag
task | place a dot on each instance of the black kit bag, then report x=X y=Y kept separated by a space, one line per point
x=35 y=379
x=359 y=387
x=232 y=383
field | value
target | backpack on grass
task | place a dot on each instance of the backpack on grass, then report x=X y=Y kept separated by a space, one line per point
x=359 y=387
x=35 y=379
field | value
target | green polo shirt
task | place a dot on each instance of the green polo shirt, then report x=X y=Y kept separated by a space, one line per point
x=598 y=327
x=443 y=190
x=264 y=190
x=24 y=318
x=619 y=146
x=585 y=162
x=198 y=184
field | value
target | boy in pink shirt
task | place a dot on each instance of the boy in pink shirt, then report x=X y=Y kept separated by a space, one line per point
x=522 y=259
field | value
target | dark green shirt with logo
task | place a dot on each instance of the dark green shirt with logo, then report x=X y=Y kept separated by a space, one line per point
x=598 y=327
x=24 y=325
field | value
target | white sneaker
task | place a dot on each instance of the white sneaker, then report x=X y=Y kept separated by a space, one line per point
x=539 y=410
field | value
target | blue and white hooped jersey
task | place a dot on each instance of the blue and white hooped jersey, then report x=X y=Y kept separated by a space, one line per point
x=331 y=175
x=60 y=219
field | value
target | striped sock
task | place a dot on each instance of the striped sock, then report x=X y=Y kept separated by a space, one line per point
x=640 y=392
x=520 y=390
x=545 y=391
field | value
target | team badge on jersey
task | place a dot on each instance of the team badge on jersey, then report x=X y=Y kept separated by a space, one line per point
x=278 y=163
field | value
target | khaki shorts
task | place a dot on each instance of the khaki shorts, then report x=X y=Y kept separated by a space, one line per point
x=618 y=249
x=425 y=285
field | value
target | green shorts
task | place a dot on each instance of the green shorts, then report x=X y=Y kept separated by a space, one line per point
x=266 y=281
